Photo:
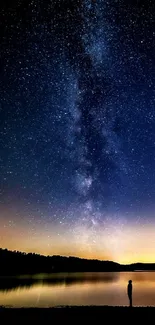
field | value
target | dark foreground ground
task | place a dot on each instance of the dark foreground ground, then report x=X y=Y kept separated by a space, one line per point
x=71 y=315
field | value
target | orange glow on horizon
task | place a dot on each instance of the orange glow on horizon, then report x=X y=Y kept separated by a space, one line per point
x=131 y=244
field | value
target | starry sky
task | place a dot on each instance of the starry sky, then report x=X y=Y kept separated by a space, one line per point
x=77 y=128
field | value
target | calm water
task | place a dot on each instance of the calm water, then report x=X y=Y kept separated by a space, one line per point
x=78 y=289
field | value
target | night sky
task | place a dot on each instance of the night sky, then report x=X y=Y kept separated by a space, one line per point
x=77 y=128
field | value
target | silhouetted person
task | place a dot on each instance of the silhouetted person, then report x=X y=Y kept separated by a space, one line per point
x=130 y=292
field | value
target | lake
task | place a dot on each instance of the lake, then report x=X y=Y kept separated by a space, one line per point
x=78 y=289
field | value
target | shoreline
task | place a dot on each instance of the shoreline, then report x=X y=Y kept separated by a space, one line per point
x=65 y=307
x=81 y=314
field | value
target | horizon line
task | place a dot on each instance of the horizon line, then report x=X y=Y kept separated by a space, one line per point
x=72 y=256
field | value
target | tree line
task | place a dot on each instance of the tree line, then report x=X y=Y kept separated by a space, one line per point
x=15 y=262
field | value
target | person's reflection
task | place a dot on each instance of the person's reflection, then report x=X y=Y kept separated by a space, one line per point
x=130 y=292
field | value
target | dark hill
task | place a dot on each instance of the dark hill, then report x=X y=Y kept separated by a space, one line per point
x=14 y=262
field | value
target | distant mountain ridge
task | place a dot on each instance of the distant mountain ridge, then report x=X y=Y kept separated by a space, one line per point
x=14 y=262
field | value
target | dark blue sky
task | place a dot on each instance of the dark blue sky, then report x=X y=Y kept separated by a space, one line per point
x=77 y=111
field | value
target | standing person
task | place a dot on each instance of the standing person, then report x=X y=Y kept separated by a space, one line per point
x=129 y=290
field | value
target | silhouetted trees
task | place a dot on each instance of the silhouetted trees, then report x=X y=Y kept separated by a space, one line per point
x=14 y=262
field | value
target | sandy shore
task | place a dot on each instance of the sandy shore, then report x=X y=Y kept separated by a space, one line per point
x=83 y=314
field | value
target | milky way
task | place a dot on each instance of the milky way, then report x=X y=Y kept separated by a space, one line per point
x=95 y=143
x=77 y=124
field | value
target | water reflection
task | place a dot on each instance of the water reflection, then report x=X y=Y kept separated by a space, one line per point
x=77 y=289
x=12 y=283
